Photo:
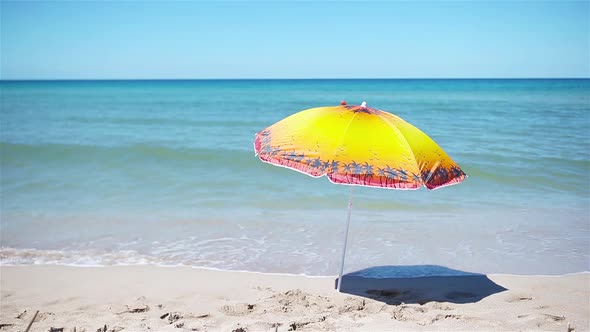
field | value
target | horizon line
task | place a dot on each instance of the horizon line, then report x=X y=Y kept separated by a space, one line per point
x=288 y=79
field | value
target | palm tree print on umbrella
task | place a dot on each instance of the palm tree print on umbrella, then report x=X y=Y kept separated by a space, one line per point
x=340 y=168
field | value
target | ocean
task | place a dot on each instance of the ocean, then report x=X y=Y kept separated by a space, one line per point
x=163 y=172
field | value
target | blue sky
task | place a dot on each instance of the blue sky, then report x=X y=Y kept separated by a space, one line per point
x=111 y=39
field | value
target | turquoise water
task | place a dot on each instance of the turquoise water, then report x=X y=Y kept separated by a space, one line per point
x=163 y=172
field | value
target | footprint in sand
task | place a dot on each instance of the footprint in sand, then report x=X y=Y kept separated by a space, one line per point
x=518 y=298
x=445 y=317
x=296 y=300
x=543 y=321
x=442 y=317
x=438 y=306
x=308 y=323
x=547 y=317
x=351 y=304
x=408 y=313
x=239 y=309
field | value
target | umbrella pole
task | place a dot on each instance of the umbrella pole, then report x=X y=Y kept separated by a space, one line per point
x=345 y=239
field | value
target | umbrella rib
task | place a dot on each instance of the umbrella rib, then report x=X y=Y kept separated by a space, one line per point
x=342 y=138
x=404 y=139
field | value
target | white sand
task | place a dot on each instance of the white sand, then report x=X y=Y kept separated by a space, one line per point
x=140 y=298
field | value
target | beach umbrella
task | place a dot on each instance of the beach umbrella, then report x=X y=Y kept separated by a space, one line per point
x=360 y=146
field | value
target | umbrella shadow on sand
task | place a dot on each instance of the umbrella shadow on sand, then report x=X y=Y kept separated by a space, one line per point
x=418 y=284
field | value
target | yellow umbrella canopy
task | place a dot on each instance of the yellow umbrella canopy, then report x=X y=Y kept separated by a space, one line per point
x=357 y=145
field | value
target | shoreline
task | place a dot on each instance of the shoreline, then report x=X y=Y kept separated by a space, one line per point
x=266 y=273
x=131 y=298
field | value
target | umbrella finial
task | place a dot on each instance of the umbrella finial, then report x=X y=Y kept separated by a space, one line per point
x=364 y=104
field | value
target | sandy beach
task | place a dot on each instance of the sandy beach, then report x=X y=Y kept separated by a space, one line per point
x=218 y=165
x=141 y=298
